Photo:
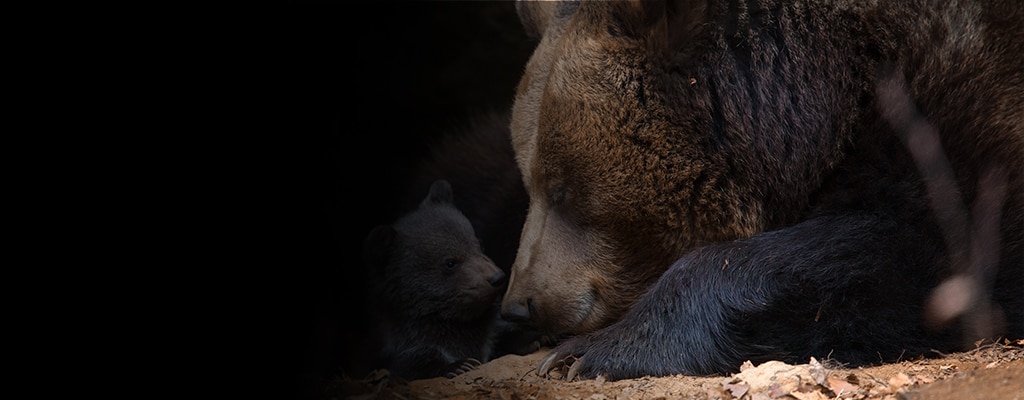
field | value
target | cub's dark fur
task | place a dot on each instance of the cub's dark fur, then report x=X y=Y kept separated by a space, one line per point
x=434 y=290
x=476 y=158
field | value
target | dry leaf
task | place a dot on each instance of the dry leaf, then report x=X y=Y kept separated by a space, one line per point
x=840 y=386
x=737 y=390
x=818 y=372
x=776 y=390
x=815 y=395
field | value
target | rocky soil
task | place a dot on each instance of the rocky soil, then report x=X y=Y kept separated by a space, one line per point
x=990 y=371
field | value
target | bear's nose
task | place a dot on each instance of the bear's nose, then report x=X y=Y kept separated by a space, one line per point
x=516 y=311
x=497 y=279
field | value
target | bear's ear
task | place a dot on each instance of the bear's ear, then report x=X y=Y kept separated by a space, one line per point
x=536 y=16
x=685 y=21
x=440 y=193
x=670 y=22
x=377 y=246
x=631 y=18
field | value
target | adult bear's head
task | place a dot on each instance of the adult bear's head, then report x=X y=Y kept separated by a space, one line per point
x=611 y=142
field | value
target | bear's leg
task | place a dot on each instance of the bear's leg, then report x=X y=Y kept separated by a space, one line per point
x=848 y=287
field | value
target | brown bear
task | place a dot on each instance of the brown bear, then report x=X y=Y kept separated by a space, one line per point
x=718 y=181
x=434 y=291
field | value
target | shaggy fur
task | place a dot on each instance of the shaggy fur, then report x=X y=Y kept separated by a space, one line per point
x=717 y=181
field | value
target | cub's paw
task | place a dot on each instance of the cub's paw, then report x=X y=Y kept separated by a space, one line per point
x=461 y=367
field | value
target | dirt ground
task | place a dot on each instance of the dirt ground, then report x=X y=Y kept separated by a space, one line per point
x=990 y=371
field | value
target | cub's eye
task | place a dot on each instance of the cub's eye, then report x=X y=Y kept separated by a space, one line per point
x=451 y=263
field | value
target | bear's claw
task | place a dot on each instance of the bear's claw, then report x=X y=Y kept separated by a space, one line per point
x=548 y=363
x=465 y=366
x=573 y=370
x=559 y=360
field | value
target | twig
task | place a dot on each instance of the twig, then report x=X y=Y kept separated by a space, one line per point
x=883 y=383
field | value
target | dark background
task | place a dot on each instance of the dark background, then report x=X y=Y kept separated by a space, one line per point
x=347 y=97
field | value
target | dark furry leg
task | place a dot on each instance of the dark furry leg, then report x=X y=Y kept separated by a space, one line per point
x=849 y=286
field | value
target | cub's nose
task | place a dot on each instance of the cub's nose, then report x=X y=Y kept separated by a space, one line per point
x=497 y=279
x=517 y=311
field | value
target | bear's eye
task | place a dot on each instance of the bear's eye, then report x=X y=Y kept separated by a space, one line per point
x=558 y=195
x=451 y=263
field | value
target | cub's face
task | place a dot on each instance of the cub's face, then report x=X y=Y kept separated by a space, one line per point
x=443 y=270
x=584 y=131
x=430 y=263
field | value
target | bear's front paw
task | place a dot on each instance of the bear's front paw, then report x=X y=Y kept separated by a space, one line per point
x=568 y=360
x=623 y=350
x=461 y=367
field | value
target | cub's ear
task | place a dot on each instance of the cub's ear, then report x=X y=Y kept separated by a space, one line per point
x=377 y=246
x=440 y=193
x=537 y=15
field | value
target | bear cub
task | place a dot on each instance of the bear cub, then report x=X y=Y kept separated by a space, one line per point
x=477 y=159
x=433 y=291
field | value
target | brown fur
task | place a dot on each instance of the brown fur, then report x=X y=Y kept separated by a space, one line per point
x=612 y=130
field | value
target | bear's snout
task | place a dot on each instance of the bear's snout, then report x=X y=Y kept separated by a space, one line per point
x=517 y=311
